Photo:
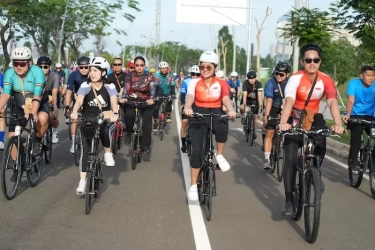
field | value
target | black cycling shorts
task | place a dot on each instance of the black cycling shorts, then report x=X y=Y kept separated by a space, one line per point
x=23 y=122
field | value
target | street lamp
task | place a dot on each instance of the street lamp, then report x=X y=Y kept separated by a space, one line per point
x=61 y=31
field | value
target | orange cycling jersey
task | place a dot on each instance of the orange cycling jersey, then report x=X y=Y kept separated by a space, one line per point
x=299 y=85
x=208 y=97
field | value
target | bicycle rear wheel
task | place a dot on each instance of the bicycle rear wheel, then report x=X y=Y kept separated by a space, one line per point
x=114 y=142
x=8 y=186
x=313 y=204
x=47 y=145
x=201 y=186
x=34 y=164
x=77 y=145
x=89 y=190
x=273 y=155
x=356 y=175
x=134 y=152
x=209 y=194
x=119 y=138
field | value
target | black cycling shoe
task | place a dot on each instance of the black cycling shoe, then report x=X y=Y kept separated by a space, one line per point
x=354 y=164
x=183 y=148
x=288 y=209
x=36 y=147
x=14 y=176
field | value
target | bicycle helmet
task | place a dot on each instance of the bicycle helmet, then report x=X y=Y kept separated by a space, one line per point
x=83 y=60
x=152 y=70
x=194 y=69
x=220 y=74
x=283 y=66
x=163 y=65
x=234 y=73
x=100 y=62
x=58 y=65
x=251 y=74
x=22 y=53
x=44 y=60
x=73 y=64
x=209 y=57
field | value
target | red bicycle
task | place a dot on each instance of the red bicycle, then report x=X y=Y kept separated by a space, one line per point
x=116 y=137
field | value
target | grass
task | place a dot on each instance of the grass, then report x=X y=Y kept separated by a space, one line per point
x=344 y=138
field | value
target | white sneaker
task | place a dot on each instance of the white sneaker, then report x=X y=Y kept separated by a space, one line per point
x=72 y=147
x=67 y=121
x=109 y=161
x=81 y=187
x=223 y=164
x=1 y=145
x=55 y=137
x=193 y=193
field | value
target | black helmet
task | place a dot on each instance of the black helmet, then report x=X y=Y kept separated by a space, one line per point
x=44 y=60
x=83 y=60
x=283 y=66
x=251 y=74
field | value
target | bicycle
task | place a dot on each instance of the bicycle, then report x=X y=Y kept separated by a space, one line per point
x=94 y=171
x=206 y=182
x=307 y=178
x=162 y=114
x=9 y=110
x=47 y=144
x=116 y=137
x=135 y=145
x=24 y=159
x=277 y=154
x=250 y=125
x=77 y=144
x=366 y=159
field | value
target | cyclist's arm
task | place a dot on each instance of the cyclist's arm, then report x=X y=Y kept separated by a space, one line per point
x=81 y=93
x=260 y=93
x=55 y=90
x=268 y=93
x=40 y=81
x=351 y=97
x=69 y=90
x=244 y=94
x=190 y=93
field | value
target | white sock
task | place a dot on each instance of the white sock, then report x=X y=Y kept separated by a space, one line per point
x=54 y=130
x=267 y=155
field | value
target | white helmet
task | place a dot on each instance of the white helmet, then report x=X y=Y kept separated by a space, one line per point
x=194 y=69
x=220 y=74
x=234 y=73
x=58 y=65
x=209 y=57
x=175 y=74
x=101 y=63
x=163 y=65
x=22 y=53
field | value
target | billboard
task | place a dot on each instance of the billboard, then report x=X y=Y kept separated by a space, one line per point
x=225 y=12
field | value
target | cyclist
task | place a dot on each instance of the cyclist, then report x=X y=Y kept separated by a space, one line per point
x=60 y=72
x=220 y=74
x=52 y=88
x=2 y=120
x=75 y=80
x=165 y=87
x=195 y=73
x=130 y=67
x=207 y=94
x=73 y=66
x=96 y=89
x=251 y=89
x=139 y=85
x=234 y=84
x=360 y=105
x=274 y=93
x=117 y=76
x=296 y=93
x=25 y=81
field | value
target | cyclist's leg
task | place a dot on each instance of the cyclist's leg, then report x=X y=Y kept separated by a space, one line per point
x=221 y=129
x=54 y=121
x=129 y=122
x=2 y=128
x=155 y=115
x=270 y=131
x=356 y=130
x=105 y=137
x=84 y=164
x=320 y=148
x=147 y=128
x=168 y=110
x=184 y=126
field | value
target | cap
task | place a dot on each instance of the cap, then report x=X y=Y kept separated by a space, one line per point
x=130 y=64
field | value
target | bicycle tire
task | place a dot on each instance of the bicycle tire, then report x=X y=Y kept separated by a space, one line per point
x=210 y=196
x=372 y=177
x=279 y=160
x=119 y=139
x=273 y=156
x=356 y=182
x=134 y=152
x=9 y=110
x=250 y=129
x=161 y=129
x=247 y=129
x=77 y=146
x=48 y=145
x=201 y=186
x=312 y=178
x=88 y=191
x=114 y=142
x=6 y=156
x=297 y=201
x=97 y=179
x=34 y=163
x=70 y=129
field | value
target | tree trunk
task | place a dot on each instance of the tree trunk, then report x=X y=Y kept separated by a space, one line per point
x=259 y=34
x=5 y=41
x=224 y=53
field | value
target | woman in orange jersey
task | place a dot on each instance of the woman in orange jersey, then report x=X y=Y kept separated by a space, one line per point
x=297 y=93
x=207 y=94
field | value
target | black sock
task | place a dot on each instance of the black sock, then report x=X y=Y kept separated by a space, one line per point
x=183 y=139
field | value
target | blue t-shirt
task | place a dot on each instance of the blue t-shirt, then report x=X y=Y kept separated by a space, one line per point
x=1 y=80
x=75 y=80
x=162 y=83
x=32 y=83
x=364 y=98
x=271 y=90
x=235 y=84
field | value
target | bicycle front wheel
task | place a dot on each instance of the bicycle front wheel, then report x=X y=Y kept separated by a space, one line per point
x=89 y=191
x=280 y=156
x=77 y=145
x=134 y=152
x=313 y=204
x=356 y=175
x=210 y=194
x=35 y=163
x=47 y=145
x=297 y=201
x=11 y=170
x=250 y=127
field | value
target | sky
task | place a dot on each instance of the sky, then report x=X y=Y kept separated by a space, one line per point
x=142 y=30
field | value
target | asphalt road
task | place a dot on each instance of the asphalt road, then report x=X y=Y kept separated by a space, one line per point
x=147 y=208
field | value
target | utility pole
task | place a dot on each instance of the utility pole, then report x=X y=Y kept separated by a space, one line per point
x=296 y=47
x=157 y=23
x=234 y=51
x=248 y=62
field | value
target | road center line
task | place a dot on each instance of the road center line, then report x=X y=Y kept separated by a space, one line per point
x=202 y=242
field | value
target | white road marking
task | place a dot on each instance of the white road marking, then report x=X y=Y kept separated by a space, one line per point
x=202 y=242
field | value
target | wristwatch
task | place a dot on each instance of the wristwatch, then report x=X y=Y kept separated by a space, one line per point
x=115 y=113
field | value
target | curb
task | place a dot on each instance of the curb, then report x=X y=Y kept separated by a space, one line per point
x=337 y=149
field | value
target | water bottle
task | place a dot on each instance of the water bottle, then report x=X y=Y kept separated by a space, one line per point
x=17 y=130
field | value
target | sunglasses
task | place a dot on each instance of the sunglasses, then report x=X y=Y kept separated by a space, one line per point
x=119 y=64
x=195 y=74
x=233 y=77
x=139 y=65
x=279 y=74
x=83 y=67
x=310 y=60
x=43 y=66
x=131 y=68
x=19 y=64
x=209 y=68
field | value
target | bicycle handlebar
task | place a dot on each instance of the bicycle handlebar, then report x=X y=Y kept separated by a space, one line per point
x=199 y=115
x=358 y=120
x=299 y=131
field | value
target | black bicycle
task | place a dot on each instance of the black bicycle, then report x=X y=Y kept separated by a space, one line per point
x=94 y=172
x=9 y=110
x=78 y=144
x=136 y=139
x=365 y=158
x=307 y=180
x=47 y=144
x=206 y=182
x=18 y=157
x=250 y=125
x=277 y=154
x=163 y=113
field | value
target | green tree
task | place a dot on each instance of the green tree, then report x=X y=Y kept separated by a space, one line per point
x=225 y=46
